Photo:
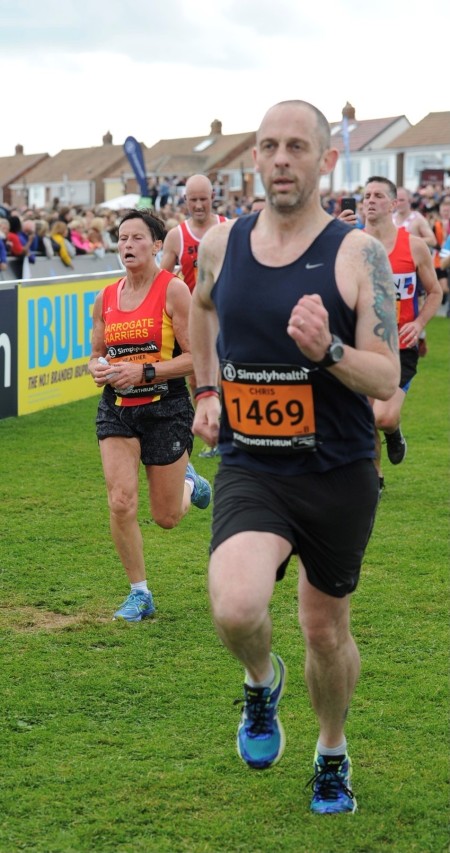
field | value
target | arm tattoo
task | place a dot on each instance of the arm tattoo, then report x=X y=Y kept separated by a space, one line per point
x=382 y=281
x=201 y=278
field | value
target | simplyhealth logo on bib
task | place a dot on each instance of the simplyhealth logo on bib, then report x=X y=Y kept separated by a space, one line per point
x=256 y=373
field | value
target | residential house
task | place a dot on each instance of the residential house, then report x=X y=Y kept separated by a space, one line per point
x=363 y=150
x=15 y=170
x=73 y=176
x=408 y=155
x=209 y=155
x=227 y=158
x=422 y=152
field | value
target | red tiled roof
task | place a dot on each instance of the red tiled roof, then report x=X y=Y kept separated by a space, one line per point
x=79 y=164
x=434 y=129
x=178 y=156
x=364 y=132
x=13 y=168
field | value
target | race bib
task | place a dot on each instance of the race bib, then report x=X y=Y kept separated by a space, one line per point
x=139 y=354
x=270 y=409
x=405 y=287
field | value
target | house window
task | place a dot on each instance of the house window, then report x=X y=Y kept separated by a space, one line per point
x=415 y=165
x=339 y=128
x=205 y=143
x=235 y=180
x=351 y=171
x=355 y=171
x=379 y=166
x=258 y=186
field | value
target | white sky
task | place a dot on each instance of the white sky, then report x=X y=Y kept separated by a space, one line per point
x=71 y=70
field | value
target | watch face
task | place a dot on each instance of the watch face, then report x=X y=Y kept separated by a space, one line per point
x=337 y=351
x=333 y=354
x=149 y=372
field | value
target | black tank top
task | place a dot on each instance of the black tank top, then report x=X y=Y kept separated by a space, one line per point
x=253 y=303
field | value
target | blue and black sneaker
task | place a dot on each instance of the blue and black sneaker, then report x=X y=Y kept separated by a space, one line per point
x=201 y=494
x=209 y=452
x=331 y=785
x=260 y=738
x=139 y=605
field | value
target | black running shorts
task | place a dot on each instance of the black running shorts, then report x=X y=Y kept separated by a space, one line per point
x=408 y=366
x=163 y=428
x=326 y=517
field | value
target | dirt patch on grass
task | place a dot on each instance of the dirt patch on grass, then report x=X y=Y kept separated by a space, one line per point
x=26 y=619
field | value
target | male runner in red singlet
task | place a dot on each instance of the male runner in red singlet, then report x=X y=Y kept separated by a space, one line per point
x=410 y=259
x=181 y=244
x=414 y=223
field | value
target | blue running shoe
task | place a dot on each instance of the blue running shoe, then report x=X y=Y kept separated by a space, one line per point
x=139 y=605
x=201 y=495
x=260 y=738
x=209 y=452
x=331 y=785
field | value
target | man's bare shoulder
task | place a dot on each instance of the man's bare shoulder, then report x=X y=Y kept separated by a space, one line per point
x=172 y=239
x=214 y=243
x=359 y=255
x=419 y=248
x=171 y=249
x=211 y=254
x=357 y=243
x=420 y=217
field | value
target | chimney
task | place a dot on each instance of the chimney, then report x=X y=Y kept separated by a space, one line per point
x=216 y=128
x=348 y=112
x=19 y=149
x=107 y=139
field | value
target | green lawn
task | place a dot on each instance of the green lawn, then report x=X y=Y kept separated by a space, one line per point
x=120 y=737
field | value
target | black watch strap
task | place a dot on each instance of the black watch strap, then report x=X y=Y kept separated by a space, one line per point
x=149 y=372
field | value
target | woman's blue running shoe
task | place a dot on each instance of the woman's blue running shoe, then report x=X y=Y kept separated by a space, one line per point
x=201 y=494
x=139 y=605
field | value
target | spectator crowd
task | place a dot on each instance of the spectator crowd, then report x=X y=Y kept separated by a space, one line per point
x=66 y=231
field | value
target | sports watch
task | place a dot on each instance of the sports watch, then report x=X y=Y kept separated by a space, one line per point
x=149 y=372
x=333 y=354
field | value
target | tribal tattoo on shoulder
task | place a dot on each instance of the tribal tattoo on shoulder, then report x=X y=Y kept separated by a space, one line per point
x=384 y=297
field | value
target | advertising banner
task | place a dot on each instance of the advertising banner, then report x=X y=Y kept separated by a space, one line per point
x=133 y=150
x=8 y=351
x=55 y=331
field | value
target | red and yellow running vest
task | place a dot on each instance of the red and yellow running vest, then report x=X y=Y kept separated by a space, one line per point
x=143 y=335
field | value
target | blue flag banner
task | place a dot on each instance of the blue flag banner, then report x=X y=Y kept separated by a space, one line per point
x=133 y=150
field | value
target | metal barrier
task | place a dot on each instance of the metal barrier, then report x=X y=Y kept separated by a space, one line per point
x=20 y=269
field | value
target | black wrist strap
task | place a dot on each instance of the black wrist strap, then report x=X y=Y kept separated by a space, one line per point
x=206 y=388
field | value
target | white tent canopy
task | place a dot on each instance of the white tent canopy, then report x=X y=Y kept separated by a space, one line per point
x=122 y=202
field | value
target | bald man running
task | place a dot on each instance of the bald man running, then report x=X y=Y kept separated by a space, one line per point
x=413 y=221
x=181 y=244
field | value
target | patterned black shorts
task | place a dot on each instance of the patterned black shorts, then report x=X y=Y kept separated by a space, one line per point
x=162 y=428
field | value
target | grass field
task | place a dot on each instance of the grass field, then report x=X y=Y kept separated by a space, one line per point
x=120 y=737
